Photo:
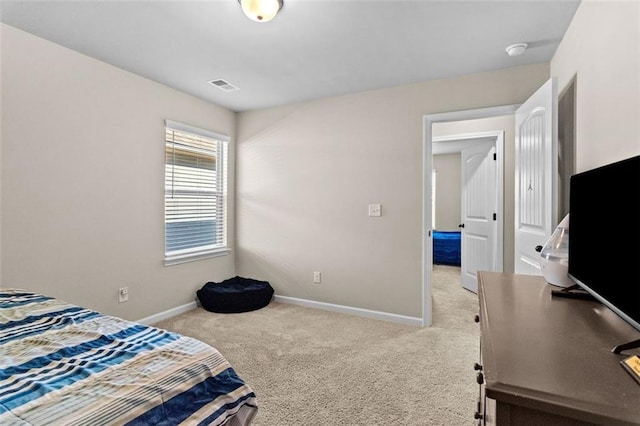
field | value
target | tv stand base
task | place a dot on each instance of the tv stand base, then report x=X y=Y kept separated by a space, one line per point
x=573 y=292
x=635 y=344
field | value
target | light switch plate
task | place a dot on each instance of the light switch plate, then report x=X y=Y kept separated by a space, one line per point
x=375 y=210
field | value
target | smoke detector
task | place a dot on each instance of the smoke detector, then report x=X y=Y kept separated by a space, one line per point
x=516 y=49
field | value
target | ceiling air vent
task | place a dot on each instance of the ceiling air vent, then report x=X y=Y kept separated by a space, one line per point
x=224 y=85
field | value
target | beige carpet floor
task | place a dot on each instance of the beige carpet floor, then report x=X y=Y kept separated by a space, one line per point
x=313 y=367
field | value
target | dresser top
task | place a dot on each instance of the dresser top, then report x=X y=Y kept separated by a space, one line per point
x=554 y=354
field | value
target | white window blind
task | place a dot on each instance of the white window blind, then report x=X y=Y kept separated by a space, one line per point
x=195 y=193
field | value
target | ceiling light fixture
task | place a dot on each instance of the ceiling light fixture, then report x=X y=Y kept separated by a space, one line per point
x=516 y=49
x=261 y=10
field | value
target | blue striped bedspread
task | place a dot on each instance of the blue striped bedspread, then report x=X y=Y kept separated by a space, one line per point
x=61 y=364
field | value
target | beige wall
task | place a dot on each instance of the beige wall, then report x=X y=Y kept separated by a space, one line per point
x=307 y=172
x=448 y=191
x=602 y=50
x=82 y=180
x=1 y=46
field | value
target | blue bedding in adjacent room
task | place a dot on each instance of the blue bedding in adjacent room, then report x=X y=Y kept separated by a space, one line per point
x=62 y=364
x=446 y=248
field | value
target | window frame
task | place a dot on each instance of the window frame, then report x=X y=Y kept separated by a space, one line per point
x=222 y=248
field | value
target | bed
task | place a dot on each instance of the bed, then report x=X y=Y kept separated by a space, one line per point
x=61 y=364
x=446 y=248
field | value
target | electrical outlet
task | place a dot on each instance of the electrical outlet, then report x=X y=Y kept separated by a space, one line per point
x=375 y=210
x=123 y=294
x=316 y=277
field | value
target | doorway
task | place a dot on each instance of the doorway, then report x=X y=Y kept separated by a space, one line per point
x=475 y=204
x=427 y=249
x=535 y=137
x=566 y=144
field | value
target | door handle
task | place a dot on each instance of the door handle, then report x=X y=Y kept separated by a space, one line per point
x=538 y=249
x=461 y=225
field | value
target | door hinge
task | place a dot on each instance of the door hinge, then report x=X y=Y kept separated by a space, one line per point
x=494 y=156
x=495 y=216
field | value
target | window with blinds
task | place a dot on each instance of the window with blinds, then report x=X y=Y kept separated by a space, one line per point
x=195 y=193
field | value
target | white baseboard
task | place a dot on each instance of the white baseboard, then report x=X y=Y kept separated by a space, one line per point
x=385 y=316
x=150 y=320
x=350 y=310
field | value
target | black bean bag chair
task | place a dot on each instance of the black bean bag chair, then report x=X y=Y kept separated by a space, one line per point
x=235 y=295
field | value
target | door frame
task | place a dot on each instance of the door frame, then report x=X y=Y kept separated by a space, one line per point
x=427 y=161
x=497 y=138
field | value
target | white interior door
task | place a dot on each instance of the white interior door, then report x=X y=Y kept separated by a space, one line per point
x=536 y=168
x=478 y=242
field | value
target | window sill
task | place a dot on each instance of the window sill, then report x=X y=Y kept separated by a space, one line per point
x=192 y=257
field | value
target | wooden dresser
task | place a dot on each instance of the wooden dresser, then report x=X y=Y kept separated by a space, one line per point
x=548 y=360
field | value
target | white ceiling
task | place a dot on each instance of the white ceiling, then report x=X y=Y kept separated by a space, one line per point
x=312 y=49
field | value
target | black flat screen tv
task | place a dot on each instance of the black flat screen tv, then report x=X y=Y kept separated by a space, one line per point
x=604 y=235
